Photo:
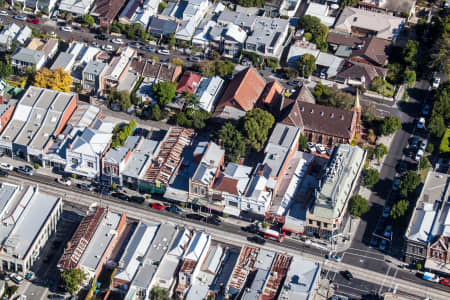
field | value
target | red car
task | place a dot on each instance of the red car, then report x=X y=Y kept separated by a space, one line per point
x=34 y=20
x=445 y=282
x=158 y=206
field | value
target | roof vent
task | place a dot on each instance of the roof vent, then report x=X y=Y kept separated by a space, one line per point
x=342 y=117
x=321 y=113
x=312 y=110
x=302 y=109
x=355 y=19
x=332 y=115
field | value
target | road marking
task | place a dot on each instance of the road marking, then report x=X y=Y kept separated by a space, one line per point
x=384 y=279
x=365 y=256
x=370 y=252
x=393 y=278
x=353 y=288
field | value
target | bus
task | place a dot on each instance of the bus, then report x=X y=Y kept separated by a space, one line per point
x=273 y=235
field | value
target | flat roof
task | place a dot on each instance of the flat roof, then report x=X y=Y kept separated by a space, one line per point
x=101 y=240
x=139 y=158
x=264 y=259
x=24 y=210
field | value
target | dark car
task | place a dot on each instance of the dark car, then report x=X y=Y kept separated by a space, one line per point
x=347 y=274
x=257 y=239
x=4 y=173
x=252 y=228
x=196 y=217
x=215 y=220
x=137 y=199
x=101 y=37
x=26 y=170
x=121 y=196
x=84 y=186
x=402 y=167
x=175 y=210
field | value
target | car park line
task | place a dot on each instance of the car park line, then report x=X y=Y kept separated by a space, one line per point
x=359 y=255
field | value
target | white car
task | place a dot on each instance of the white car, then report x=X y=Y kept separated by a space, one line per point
x=117 y=41
x=311 y=147
x=164 y=51
x=436 y=82
x=67 y=28
x=3 y=13
x=419 y=155
x=16 y=278
x=108 y=47
x=5 y=166
x=320 y=148
x=421 y=123
x=64 y=181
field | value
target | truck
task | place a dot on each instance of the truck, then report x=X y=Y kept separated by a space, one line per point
x=430 y=277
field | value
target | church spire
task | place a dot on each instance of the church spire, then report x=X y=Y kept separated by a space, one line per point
x=357 y=105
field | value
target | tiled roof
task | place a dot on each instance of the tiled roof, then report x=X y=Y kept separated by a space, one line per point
x=244 y=90
x=226 y=184
x=342 y=39
x=355 y=71
x=374 y=51
x=107 y=9
x=189 y=82
x=272 y=92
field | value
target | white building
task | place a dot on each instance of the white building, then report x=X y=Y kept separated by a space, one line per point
x=320 y=11
x=14 y=33
x=76 y=7
x=137 y=12
x=29 y=218
x=192 y=16
x=208 y=92
x=83 y=156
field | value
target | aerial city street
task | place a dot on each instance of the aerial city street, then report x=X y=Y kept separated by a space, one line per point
x=229 y=149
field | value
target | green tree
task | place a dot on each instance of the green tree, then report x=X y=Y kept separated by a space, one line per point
x=158 y=293
x=441 y=54
x=389 y=125
x=256 y=124
x=306 y=65
x=399 y=209
x=164 y=92
x=69 y=18
x=6 y=70
x=272 y=63
x=308 y=23
x=430 y=148
x=332 y=97
x=250 y=3
x=358 y=206
x=223 y=68
x=88 y=20
x=120 y=98
x=410 y=52
x=409 y=77
x=436 y=126
x=424 y=163
x=303 y=142
x=318 y=31
x=171 y=42
x=72 y=279
x=408 y=183
x=350 y=3
x=371 y=177
x=162 y=5
x=232 y=141
x=177 y=62
x=380 y=151
x=156 y=113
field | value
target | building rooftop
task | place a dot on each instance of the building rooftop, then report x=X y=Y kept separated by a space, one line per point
x=234 y=179
x=197 y=246
x=301 y=279
x=240 y=19
x=101 y=240
x=23 y=210
x=320 y=11
x=64 y=60
x=431 y=216
x=188 y=82
x=242 y=269
x=267 y=31
x=337 y=181
x=92 y=142
x=207 y=169
x=29 y=56
x=140 y=158
x=37 y=117
x=207 y=92
x=117 y=155
x=95 y=67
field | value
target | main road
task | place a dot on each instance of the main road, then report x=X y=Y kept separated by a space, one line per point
x=232 y=234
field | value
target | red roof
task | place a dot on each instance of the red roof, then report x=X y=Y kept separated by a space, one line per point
x=244 y=90
x=188 y=82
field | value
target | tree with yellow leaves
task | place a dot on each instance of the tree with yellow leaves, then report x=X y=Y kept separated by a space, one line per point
x=58 y=80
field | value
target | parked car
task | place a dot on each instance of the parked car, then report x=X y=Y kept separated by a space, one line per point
x=16 y=278
x=426 y=110
x=64 y=181
x=149 y=48
x=135 y=45
x=137 y=199
x=175 y=210
x=6 y=167
x=430 y=277
x=26 y=170
x=164 y=51
x=293 y=82
x=20 y=18
x=347 y=274
x=34 y=20
x=421 y=123
x=196 y=217
x=252 y=228
x=158 y=206
x=121 y=196
x=67 y=28
x=257 y=240
x=320 y=148
x=3 y=13
x=386 y=211
x=117 y=41
x=3 y=173
x=84 y=186
x=436 y=82
x=423 y=145
x=334 y=257
x=414 y=141
x=101 y=37
x=395 y=184
x=215 y=220
x=419 y=155
x=445 y=282
x=388 y=231
x=194 y=59
x=311 y=147
x=383 y=244
x=95 y=44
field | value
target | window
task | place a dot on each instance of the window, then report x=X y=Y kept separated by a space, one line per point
x=319 y=223
x=202 y=191
x=325 y=225
x=90 y=164
x=334 y=225
x=232 y=203
x=74 y=161
x=310 y=222
x=195 y=190
x=248 y=206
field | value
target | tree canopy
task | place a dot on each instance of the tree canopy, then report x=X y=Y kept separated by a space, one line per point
x=121 y=133
x=193 y=118
x=121 y=99
x=303 y=142
x=232 y=141
x=72 y=279
x=58 y=80
x=164 y=92
x=306 y=65
x=410 y=52
x=88 y=20
x=6 y=70
x=250 y=3
x=217 y=67
x=318 y=31
x=332 y=97
x=158 y=293
x=256 y=125
x=389 y=125
x=399 y=209
x=424 y=163
x=408 y=183
x=358 y=206
x=371 y=177
x=380 y=151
